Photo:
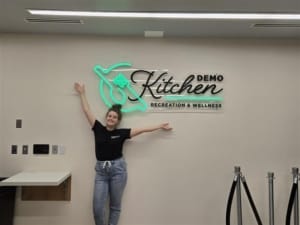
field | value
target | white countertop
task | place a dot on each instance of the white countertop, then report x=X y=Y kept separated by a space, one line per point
x=36 y=179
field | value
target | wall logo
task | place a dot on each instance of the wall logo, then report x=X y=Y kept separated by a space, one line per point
x=157 y=91
x=119 y=88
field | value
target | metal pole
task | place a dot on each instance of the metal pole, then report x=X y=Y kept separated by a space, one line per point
x=237 y=171
x=295 y=172
x=271 y=198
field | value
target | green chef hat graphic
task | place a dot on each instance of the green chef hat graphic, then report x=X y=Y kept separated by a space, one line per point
x=115 y=88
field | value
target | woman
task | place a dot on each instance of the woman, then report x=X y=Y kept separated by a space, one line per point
x=111 y=173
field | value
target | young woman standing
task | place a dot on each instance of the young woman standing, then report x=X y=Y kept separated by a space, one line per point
x=111 y=172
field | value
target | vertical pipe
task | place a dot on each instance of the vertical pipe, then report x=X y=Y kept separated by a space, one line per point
x=237 y=171
x=271 y=197
x=295 y=172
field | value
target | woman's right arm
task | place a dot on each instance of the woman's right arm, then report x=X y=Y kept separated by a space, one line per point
x=84 y=103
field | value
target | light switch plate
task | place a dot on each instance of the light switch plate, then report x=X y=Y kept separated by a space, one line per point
x=25 y=149
x=54 y=149
x=14 y=149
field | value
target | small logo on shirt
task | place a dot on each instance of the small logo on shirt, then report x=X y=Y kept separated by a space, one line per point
x=115 y=137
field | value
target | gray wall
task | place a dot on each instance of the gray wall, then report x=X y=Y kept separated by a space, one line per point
x=1 y=100
x=182 y=177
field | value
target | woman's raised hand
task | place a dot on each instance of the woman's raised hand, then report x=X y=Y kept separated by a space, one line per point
x=165 y=126
x=79 y=88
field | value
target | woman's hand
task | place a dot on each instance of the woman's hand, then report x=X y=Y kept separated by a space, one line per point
x=165 y=126
x=79 y=88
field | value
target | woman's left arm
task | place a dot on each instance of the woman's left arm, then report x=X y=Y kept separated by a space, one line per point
x=137 y=131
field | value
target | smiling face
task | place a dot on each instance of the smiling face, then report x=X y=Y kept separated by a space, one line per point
x=112 y=120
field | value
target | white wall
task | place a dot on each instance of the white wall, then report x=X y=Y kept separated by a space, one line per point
x=182 y=177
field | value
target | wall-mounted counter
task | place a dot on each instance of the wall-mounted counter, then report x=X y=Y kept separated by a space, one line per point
x=37 y=186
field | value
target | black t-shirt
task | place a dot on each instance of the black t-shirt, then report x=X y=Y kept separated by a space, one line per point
x=109 y=144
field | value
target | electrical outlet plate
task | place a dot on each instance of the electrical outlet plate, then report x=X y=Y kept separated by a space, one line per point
x=61 y=149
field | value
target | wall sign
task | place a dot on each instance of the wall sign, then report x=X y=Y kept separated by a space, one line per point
x=158 y=91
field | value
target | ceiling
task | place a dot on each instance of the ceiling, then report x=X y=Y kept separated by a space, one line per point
x=13 y=17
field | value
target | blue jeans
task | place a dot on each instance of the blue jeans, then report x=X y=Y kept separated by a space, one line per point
x=110 y=182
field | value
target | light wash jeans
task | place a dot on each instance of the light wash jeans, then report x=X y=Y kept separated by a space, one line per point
x=110 y=182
